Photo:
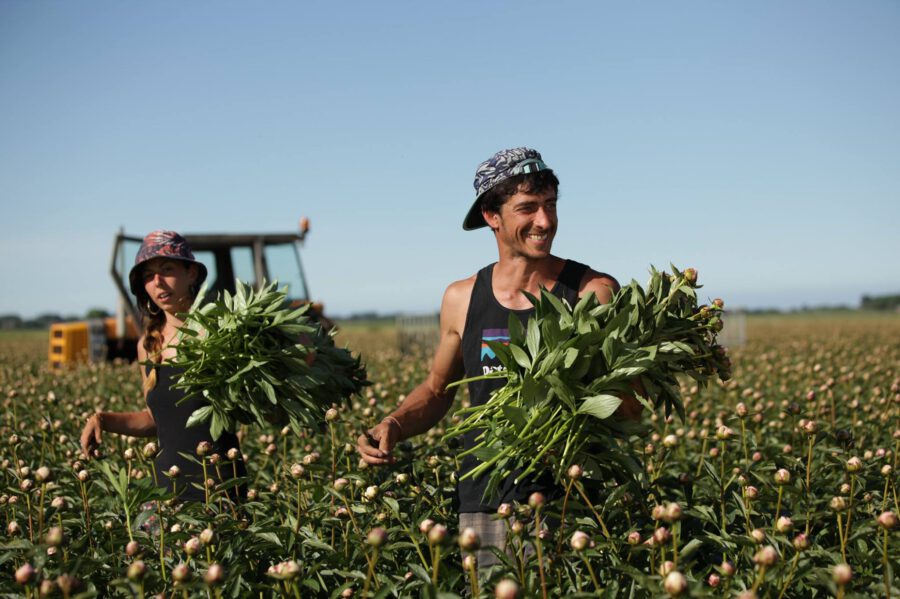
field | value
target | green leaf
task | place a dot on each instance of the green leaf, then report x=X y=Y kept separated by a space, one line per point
x=520 y=356
x=199 y=416
x=600 y=406
x=533 y=339
x=516 y=416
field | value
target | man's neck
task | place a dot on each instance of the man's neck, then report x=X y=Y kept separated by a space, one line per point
x=513 y=275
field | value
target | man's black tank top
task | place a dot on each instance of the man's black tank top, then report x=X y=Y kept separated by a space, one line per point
x=487 y=320
x=175 y=437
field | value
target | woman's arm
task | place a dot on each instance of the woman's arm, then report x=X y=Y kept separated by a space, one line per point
x=135 y=424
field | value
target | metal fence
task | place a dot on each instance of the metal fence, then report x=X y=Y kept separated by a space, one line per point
x=734 y=329
x=417 y=332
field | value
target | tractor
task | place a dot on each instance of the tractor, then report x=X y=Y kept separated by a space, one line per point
x=249 y=257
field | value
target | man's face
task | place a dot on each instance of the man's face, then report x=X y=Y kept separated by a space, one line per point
x=526 y=223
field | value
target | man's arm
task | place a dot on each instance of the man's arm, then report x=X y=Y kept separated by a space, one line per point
x=604 y=287
x=428 y=403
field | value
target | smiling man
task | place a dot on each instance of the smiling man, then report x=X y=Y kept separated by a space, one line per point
x=516 y=196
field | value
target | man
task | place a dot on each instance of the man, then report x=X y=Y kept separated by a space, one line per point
x=516 y=196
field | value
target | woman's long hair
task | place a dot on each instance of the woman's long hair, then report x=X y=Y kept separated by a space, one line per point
x=153 y=320
x=152 y=323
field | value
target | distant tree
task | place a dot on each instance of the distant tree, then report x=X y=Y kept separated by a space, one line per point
x=43 y=321
x=883 y=302
x=10 y=322
x=97 y=313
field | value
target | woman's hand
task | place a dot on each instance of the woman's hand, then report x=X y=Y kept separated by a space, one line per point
x=91 y=436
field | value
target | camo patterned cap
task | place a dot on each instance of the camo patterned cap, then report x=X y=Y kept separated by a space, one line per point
x=162 y=244
x=496 y=169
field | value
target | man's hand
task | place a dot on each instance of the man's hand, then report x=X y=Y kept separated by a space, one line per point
x=376 y=444
x=91 y=436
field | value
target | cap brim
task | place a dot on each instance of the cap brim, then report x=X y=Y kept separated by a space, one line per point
x=474 y=219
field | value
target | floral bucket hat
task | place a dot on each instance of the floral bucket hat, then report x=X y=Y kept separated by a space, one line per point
x=162 y=244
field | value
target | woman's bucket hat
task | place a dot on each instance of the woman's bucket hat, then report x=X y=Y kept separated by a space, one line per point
x=162 y=244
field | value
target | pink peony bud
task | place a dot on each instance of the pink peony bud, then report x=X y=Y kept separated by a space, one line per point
x=437 y=534
x=24 y=573
x=784 y=524
x=214 y=575
x=376 y=537
x=841 y=574
x=758 y=535
x=506 y=589
x=468 y=540
x=675 y=583
x=426 y=525
x=887 y=520
x=766 y=556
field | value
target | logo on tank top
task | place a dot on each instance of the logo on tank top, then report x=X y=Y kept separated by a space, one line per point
x=500 y=335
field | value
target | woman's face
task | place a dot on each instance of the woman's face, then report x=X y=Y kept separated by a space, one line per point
x=168 y=283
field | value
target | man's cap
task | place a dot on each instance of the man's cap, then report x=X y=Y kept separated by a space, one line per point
x=162 y=244
x=496 y=169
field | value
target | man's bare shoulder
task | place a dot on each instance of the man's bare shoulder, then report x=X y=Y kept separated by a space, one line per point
x=602 y=284
x=455 y=304
x=460 y=290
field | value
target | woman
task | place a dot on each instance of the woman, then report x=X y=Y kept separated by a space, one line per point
x=165 y=280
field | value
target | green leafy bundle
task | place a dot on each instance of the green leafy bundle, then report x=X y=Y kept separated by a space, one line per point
x=255 y=359
x=567 y=370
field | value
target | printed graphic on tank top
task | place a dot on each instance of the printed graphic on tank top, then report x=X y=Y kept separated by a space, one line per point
x=487 y=320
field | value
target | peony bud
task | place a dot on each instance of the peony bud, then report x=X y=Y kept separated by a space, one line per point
x=181 y=573
x=887 y=520
x=203 y=448
x=801 y=542
x=136 y=571
x=575 y=472
x=437 y=534
x=24 y=573
x=214 y=575
x=784 y=524
x=468 y=540
x=150 y=450
x=536 y=500
x=376 y=537
x=758 y=535
x=297 y=470
x=580 y=540
x=506 y=589
x=782 y=476
x=207 y=536
x=675 y=583
x=766 y=556
x=841 y=574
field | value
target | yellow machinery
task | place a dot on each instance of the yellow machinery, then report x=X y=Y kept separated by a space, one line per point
x=249 y=257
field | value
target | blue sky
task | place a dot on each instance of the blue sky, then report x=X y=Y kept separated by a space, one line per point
x=755 y=141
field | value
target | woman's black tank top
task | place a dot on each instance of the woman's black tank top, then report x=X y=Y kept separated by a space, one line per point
x=487 y=320
x=175 y=437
